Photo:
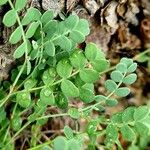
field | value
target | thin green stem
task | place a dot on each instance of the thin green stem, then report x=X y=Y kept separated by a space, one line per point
x=93 y=106
x=41 y=145
x=26 y=55
x=140 y=54
x=3 y=101
x=52 y=116
x=28 y=123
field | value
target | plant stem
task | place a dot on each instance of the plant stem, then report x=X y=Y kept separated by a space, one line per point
x=26 y=55
x=41 y=145
x=140 y=54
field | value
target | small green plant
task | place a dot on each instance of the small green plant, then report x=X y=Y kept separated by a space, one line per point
x=54 y=72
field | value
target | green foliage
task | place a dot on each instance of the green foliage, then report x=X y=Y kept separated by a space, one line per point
x=53 y=73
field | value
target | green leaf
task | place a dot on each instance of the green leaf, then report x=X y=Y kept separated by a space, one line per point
x=77 y=37
x=61 y=29
x=2 y=114
x=127 y=133
x=50 y=27
x=68 y=132
x=117 y=118
x=24 y=99
x=60 y=143
x=89 y=75
x=133 y=147
x=111 y=132
x=74 y=144
x=74 y=113
x=16 y=36
x=69 y=89
x=111 y=102
x=130 y=79
x=49 y=48
x=143 y=58
x=47 y=97
x=28 y=67
x=141 y=113
x=122 y=67
x=48 y=15
x=110 y=85
x=126 y=61
x=86 y=95
x=64 y=43
x=83 y=27
x=132 y=68
x=19 y=52
x=10 y=18
x=2 y=2
x=64 y=69
x=142 y=128
x=16 y=123
x=32 y=14
x=32 y=29
x=127 y=115
x=20 y=4
x=72 y=21
x=100 y=98
x=30 y=83
x=61 y=101
x=122 y=92
x=116 y=76
x=49 y=76
x=89 y=86
x=91 y=51
x=91 y=128
x=100 y=65
x=78 y=59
